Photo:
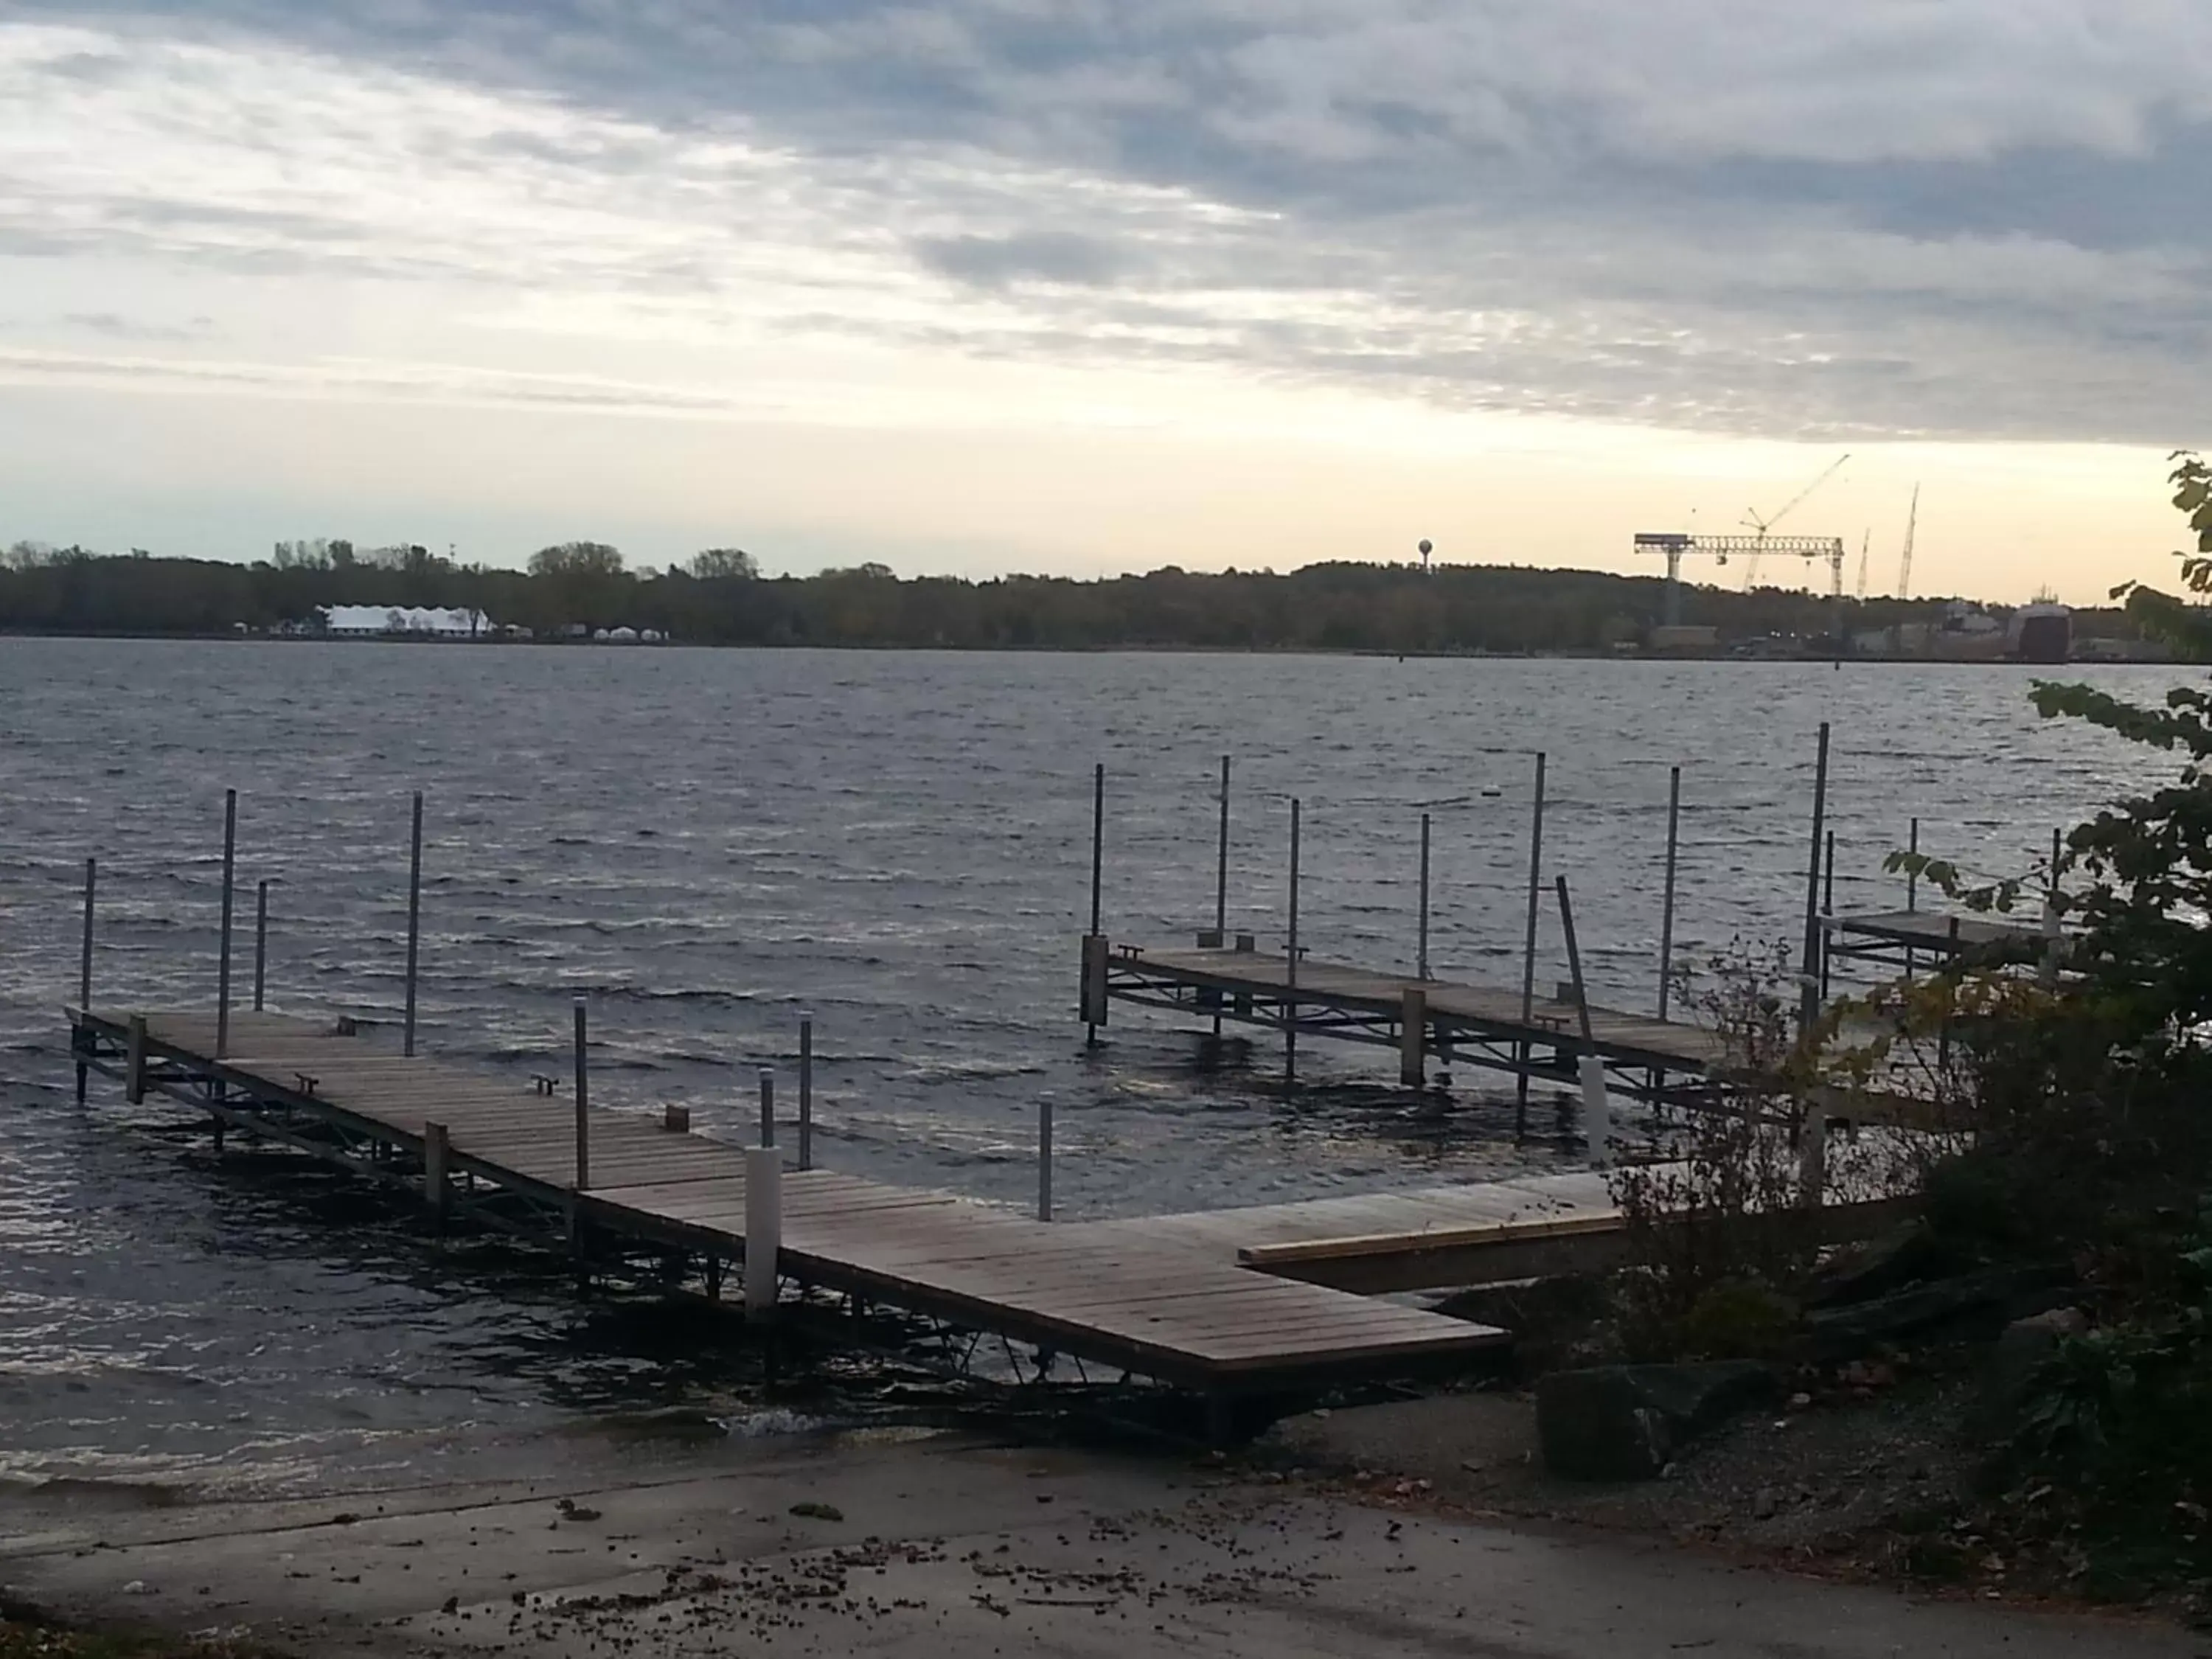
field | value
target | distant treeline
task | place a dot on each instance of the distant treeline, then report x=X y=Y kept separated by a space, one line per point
x=718 y=598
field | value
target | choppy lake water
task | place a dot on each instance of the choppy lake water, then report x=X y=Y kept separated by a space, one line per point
x=707 y=842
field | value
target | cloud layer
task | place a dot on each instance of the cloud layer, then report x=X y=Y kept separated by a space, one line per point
x=1976 y=218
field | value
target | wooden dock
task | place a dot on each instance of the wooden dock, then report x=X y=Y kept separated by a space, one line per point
x=1527 y=1226
x=1480 y=1025
x=1904 y=936
x=1149 y=1304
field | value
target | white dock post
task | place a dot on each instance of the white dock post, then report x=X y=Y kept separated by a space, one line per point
x=763 y=1228
x=436 y=1152
x=1412 y=1036
x=1597 y=1105
x=1597 y=1110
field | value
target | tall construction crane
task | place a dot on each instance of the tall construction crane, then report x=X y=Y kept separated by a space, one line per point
x=1760 y=526
x=1677 y=545
x=1866 y=542
x=1905 y=564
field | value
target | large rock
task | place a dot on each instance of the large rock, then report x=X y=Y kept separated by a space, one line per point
x=1976 y=1305
x=1907 y=1255
x=2008 y=1376
x=1626 y=1422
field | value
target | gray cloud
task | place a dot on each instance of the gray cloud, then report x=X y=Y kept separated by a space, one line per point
x=1974 y=219
x=1035 y=256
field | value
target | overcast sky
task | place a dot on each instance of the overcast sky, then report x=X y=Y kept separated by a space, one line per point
x=1095 y=284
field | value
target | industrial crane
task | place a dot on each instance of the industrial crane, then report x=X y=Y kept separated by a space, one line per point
x=1865 y=543
x=1675 y=544
x=1761 y=526
x=1905 y=564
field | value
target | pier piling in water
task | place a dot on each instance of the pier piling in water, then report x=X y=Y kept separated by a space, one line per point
x=260 y=947
x=1421 y=964
x=768 y=1106
x=84 y=971
x=1291 y=989
x=222 y=970
x=1808 y=970
x=1044 y=1155
x=437 y=1150
x=1094 y=939
x=583 y=1107
x=414 y=917
x=1528 y=953
x=1667 y=901
x=1590 y=1064
x=806 y=1091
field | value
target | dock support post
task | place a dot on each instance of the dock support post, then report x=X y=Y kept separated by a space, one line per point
x=1421 y=964
x=1667 y=902
x=2053 y=932
x=1528 y=957
x=1943 y=1036
x=1221 y=876
x=763 y=1229
x=583 y=1107
x=1808 y=969
x=260 y=947
x=134 y=1061
x=1912 y=890
x=1812 y=1157
x=436 y=1154
x=806 y=1091
x=1827 y=910
x=768 y=1106
x=222 y=966
x=1412 y=1036
x=85 y=974
x=1290 y=962
x=84 y=949
x=414 y=914
x=1589 y=1068
x=1097 y=874
x=1044 y=1157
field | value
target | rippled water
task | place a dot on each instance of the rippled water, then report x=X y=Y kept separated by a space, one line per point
x=707 y=842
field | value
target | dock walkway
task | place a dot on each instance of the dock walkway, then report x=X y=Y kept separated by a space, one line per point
x=1481 y=1024
x=1149 y=1302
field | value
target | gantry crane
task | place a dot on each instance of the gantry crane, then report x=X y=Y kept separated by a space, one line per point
x=1676 y=544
